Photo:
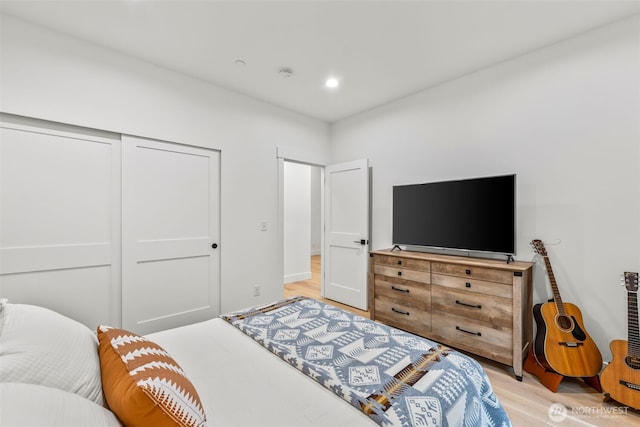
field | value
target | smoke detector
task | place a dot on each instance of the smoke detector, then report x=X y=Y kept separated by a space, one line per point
x=285 y=72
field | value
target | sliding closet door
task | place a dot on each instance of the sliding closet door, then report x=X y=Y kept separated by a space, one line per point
x=60 y=218
x=170 y=234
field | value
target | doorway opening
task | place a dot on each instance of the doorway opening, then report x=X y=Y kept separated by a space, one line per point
x=344 y=229
x=302 y=224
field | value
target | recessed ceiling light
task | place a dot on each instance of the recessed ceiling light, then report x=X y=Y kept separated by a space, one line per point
x=332 y=82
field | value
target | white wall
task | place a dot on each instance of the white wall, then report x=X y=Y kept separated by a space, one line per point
x=316 y=210
x=297 y=222
x=54 y=77
x=566 y=119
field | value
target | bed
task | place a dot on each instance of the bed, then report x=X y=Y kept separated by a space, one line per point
x=296 y=362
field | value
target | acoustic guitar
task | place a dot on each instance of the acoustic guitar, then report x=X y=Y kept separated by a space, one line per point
x=562 y=343
x=621 y=378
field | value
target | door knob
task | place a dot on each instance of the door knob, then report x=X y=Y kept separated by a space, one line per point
x=214 y=246
x=361 y=241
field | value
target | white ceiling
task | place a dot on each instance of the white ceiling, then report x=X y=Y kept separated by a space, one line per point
x=379 y=50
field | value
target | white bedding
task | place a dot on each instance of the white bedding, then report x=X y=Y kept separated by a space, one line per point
x=244 y=375
x=241 y=384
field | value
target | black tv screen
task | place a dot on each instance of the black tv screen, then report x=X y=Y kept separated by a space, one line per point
x=476 y=214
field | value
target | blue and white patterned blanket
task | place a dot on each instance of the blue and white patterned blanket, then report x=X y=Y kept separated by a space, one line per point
x=394 y=377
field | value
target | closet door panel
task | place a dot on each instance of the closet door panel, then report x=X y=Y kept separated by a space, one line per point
x=175 y=285
x=170 y=220
x=57 y=189
x=80 y=293
x=172 y=193
x=59 y=218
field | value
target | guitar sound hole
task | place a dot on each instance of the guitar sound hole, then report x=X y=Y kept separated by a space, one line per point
x=632 y=362
x=564 y=323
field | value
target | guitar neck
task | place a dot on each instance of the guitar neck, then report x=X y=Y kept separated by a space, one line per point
x=554 y=287
x=634 y=331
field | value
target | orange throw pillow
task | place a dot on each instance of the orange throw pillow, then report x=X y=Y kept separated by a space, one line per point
x=143 y=385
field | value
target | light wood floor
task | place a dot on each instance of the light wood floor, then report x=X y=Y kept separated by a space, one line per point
x=527 y=403
x=311 y=288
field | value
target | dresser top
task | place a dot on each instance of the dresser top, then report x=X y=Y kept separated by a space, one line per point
x=457 y=259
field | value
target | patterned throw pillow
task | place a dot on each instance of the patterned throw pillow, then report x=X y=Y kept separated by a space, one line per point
x=143 y=385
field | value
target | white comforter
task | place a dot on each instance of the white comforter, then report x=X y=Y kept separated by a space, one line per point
x=242 y=384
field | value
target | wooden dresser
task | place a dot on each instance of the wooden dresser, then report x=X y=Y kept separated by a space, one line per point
x=482 y=306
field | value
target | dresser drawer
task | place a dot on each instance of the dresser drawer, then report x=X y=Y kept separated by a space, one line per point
x=480 y=273
x=413 y=264
x=491 y=311
x=404 y=316
x=402 y=273
x=474 y=336
x=403 y=291
x=475 y=285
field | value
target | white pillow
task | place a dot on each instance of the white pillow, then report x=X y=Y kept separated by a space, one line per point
x=40 y=346
x=37 y=405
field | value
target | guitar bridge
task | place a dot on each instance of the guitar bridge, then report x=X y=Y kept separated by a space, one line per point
x=571 y=344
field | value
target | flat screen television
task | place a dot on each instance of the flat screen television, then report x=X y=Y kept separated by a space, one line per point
x=477 y=214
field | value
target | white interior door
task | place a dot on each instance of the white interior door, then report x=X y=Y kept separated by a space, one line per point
x=346 y=253
x=170 y=232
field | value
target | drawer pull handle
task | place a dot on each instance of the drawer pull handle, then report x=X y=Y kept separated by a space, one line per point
x=468 y=284
x=468 y=332
x=468 y=271
x=399 y=290
x=468 y=305
x=399 y=273
x=399 y=262
x=395 y=310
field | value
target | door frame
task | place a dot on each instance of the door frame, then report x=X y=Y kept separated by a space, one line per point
x=289 y=154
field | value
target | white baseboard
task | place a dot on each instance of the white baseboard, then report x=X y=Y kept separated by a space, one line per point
x=290 y=278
